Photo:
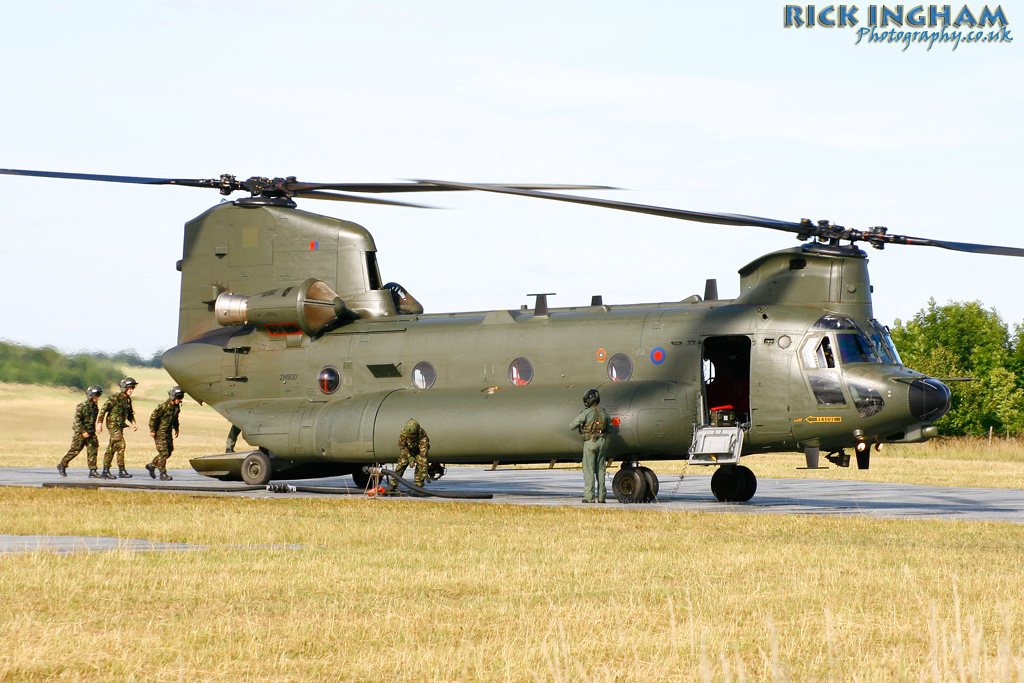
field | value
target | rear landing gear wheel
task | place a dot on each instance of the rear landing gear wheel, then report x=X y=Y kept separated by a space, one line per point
x=256 y=469
x=361 y=479
x=629 y=485
x=653 y=486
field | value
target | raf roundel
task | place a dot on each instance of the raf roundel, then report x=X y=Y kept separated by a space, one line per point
x=658 y=355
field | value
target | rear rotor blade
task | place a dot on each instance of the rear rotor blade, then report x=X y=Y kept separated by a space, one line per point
x=138 y=180
x=355 y=198
x=716 y=218
x=427 y=187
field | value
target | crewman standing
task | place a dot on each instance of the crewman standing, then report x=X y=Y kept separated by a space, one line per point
x=592 y=424
x=414 y=445
x=84 y=432
x=118 y=412
x=162 y=422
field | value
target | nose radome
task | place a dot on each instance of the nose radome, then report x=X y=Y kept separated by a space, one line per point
x=929 y=399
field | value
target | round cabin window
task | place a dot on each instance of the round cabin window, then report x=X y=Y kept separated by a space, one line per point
x=520 y=372
x=329 y=380
x=620 y=367
x=423 y=375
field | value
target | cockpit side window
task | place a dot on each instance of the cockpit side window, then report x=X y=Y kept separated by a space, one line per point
x=817 y=353
x=372 y=271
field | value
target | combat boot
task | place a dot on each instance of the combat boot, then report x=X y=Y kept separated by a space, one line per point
x=62 y=470
x=94 y=473
x=123 y=473
x=151 y=468
x=164 y=476
x=106 y=474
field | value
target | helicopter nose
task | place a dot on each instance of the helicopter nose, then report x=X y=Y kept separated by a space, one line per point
x=929 y=399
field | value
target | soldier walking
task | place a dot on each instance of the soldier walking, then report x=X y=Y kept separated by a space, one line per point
x=118 y=412
x=84 y=432
x=414 y=445
x=592 y=424
x=162 y=422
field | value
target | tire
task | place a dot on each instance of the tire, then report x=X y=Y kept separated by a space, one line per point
x=653 y=485
x=629 y=485
x=727 y=483
x=256 y=469
x=362 y=479
x=749 y=484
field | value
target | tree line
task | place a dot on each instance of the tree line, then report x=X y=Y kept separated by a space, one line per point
x=964 y=339
x=51 y=367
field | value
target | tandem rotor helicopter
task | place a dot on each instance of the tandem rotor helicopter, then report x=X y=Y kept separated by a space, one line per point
x=288 y=330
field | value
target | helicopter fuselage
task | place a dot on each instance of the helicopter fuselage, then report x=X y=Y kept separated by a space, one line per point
x=795 y=362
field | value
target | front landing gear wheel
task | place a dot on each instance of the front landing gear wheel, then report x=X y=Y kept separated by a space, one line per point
x=629 y=485
x=732 y=483
x=749 y=483
x=256 y=469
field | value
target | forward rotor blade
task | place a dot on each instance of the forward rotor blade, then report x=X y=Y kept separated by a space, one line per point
x=702 y=217
x=877 y=237
x=138 y=180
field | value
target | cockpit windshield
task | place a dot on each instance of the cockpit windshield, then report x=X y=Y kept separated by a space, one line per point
x=855 y=348
x=883 y=344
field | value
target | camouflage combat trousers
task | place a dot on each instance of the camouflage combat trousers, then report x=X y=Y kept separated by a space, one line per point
x=116 y=445
x=91 y=444
x=164 y=448
x=419 y=461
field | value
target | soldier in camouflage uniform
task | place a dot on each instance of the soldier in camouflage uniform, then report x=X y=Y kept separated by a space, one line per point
x=592 y=424
x=414 y=445
x=162 y=422
x=84 y=432
x=119 y=412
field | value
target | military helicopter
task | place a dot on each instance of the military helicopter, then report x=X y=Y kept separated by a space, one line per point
x=288 y=330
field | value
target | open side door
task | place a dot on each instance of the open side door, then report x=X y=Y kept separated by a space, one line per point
x=725 y=401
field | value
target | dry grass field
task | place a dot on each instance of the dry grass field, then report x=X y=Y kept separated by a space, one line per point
x=400 y=590
x=35 y=424
x=410 y=590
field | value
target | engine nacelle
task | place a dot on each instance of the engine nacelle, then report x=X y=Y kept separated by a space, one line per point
x=305 y=308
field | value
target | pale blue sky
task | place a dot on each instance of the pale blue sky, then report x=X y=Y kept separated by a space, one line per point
x=693 y=105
